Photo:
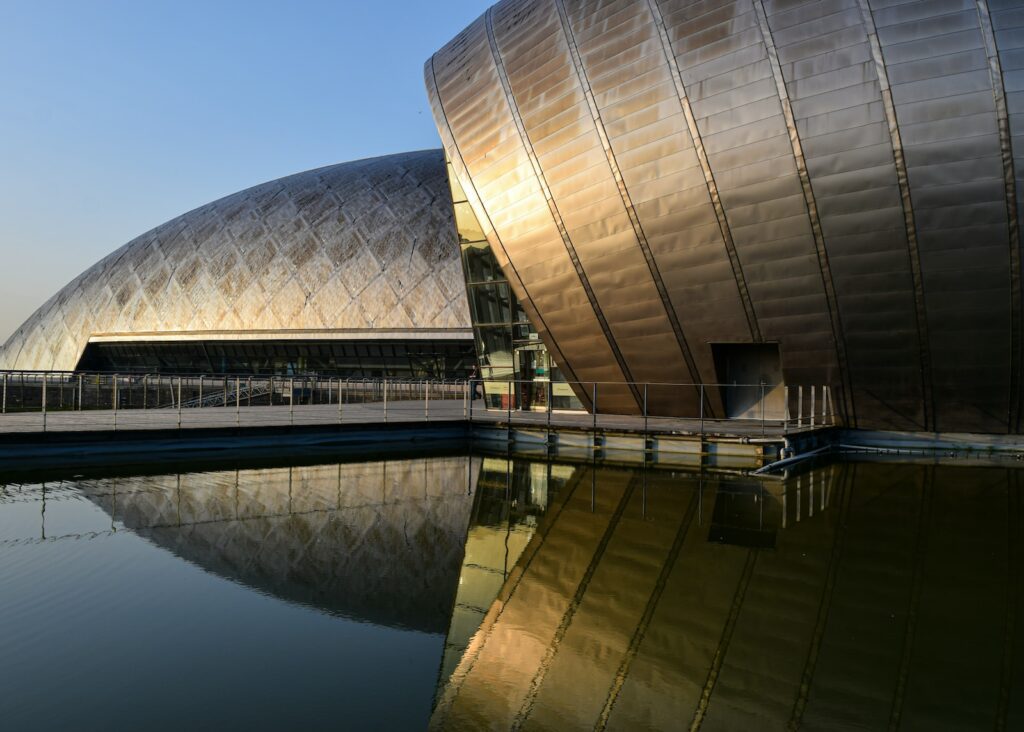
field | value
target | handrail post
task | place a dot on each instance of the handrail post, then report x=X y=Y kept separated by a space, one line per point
x=800 y=406
x=645 y=408
x=339 y=400
x=762 y=409
x=291 y=400
x=145 y=390
x=702 y=417
x=472 y=395
x=44 y=403
x=179 y=402
x=79 y=391
x=813 y=390
x=593 y=403
x=115 y=402
x=426 y=401
x=824 y=404
x=510 y=389
x=238 y=399
x=385 y=389
x=785 y=412
x=5 y=395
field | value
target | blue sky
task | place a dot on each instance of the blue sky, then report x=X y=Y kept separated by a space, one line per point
x=119 y=115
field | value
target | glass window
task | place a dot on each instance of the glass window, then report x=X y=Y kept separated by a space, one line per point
x=479 y=263
x=457 y=193
x=490 y=303
x=494 y=346
x=465 y=221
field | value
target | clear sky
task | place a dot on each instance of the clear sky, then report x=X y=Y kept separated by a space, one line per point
x=117 y=115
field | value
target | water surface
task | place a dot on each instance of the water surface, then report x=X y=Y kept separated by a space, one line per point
x=486 y=592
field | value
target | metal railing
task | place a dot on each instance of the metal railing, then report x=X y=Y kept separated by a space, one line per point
x=34 y=400
x=678 y=406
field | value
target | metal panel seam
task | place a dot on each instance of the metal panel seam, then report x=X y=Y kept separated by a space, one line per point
x=838 y=336
x=709 y=177
x=555 y=215
x=1013 y=223
x=557 y=352
x=903 y=178
x=627 y=201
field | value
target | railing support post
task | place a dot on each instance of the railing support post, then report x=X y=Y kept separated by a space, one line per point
x=814 y=389
x=472 y=395
x=179 y=402
x=115 y=402
x=785 y=413
x=593 y=403
x=291 y=401
x=145 y=391
x=5 y=395
x=79 y=391
x=44 y=403
x=339 y=400
x=238 y=400
x=762 y=409
x=385 y=389
x=511 y=388
x=426 y=401
x=800 y=406
x=702 y=417
x=645 y=408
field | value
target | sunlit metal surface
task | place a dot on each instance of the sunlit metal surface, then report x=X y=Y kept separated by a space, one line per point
x=835 y=176
x=350 y=251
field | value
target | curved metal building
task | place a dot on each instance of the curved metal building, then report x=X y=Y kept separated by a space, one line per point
x=361 y=252
x=663 y=178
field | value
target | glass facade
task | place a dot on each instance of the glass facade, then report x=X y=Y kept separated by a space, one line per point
x=413 y=359
x=507 y=345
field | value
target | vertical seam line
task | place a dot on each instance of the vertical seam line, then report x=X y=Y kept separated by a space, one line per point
x=553 y=208
x=709 y=177
x=640 y=632
x=627 y=200
x=812 y=207
x=995 y=69
x=563 y=362
x=913 y=247
x=574 y=605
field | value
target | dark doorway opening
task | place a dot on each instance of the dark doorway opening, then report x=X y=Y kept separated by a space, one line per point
x=750 y=378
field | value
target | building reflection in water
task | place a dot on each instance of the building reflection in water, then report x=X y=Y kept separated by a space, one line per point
x=586 y=595
x=858 y=595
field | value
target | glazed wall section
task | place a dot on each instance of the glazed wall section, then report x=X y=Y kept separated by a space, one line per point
x=836 y=176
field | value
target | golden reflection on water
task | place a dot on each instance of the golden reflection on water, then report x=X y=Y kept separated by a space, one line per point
x=857 y=595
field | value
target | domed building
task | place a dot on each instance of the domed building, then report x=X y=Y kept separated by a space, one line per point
x=350 y=269
x=754 y=191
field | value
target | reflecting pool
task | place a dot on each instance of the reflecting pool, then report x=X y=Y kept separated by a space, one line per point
x=496 y=592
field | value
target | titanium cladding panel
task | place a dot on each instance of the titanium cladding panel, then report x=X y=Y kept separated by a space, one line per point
x=835 y=176
x=362 y=246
